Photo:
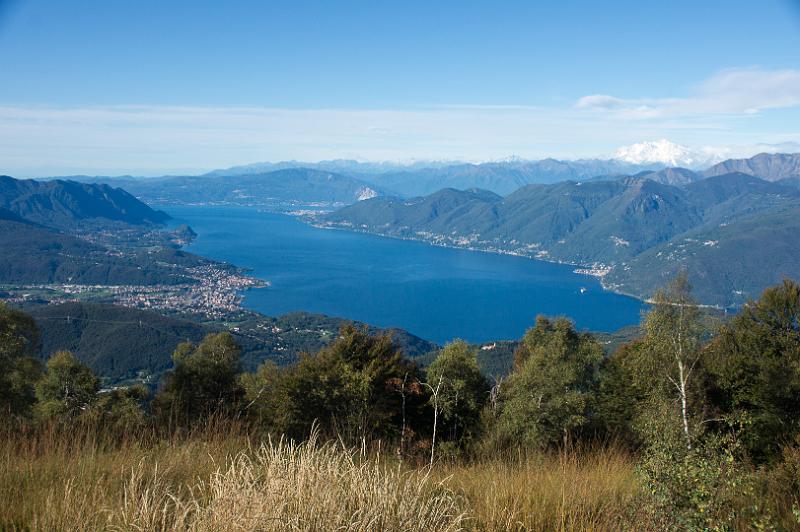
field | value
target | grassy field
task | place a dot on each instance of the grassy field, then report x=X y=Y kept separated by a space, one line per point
x=220 y=480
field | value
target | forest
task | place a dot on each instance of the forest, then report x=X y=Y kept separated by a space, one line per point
x=688 y=427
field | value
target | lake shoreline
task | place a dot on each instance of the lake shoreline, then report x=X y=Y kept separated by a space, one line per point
x=578 y=267
x=432 y=294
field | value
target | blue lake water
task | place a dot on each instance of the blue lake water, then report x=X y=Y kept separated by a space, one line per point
x=433 y=292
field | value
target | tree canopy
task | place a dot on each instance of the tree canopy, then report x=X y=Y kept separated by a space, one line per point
x=549 y=396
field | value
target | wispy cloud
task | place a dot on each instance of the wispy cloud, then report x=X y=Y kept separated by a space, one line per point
x=729 y=109
x=739 y=91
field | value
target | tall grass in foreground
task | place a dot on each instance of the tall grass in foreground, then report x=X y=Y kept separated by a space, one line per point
x=575 y=490
x=220 y=479
x=201 y=485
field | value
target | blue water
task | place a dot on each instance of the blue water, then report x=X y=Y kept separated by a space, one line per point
x=433 y=292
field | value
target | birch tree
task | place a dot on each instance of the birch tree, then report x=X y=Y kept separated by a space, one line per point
x=674 y=334
x=435 y=398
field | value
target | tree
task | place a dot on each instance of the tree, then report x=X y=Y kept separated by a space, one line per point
x=120 y=409
x=410 y=389
x=203 y=382
x=464 y=390
x=347 y=388
x=67 y=389
x=435 y=401
x=755 y=369
x=674 y=337
x=548 y=397
x=264 y=396
x=626 y=383
x=19 y=370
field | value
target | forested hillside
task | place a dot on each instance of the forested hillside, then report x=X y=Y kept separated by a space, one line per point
x=637 y=231
x=65 y=203
x=72 y=233
x=124 y=344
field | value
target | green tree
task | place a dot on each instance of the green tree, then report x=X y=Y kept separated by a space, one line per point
x=549 y=395
x=121 y=410
x=755 y=366
x=673 y=337
x=463 y=392
x=348 y=388
x=626 y=383
x=265 y=396
x=19 y=370
x=204 y=381
x=67 y=389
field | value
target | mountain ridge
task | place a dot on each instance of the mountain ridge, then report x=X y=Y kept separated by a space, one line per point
x=60 y=203
x=602 y=224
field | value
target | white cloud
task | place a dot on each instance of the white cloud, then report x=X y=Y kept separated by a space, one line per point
x=153 y=139
x=738 y=91
x=42 y=140
x=600 y=101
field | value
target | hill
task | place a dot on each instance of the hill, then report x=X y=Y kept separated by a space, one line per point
x=278 y=188
x=34 y=254
x=729 y=262
x=550 y=221
x=122 y=343
x=630 y=226
x=67 y=203
x=66 y=232
x=116 y=342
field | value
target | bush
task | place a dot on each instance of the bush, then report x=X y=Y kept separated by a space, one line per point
x=706 y=487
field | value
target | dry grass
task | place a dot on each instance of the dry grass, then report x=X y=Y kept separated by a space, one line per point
x=221 y=480
x=579 y=490
x=201 y=485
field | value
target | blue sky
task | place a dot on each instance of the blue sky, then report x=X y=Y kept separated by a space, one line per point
x=152 y=87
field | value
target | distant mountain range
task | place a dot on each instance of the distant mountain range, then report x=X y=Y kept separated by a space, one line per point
x=343 y=166
x=340 y=182
x=277 y=188
x=734 y=233
x=500 y=177
x=767 y=166
x=337 y=183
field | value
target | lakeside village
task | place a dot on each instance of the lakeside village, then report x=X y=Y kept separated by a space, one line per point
x=470 y=242
x=215 y=295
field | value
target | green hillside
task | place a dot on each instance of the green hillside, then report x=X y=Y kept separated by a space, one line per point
x=62 y=203
x=33 y=254
x=121 y=343
x=730 y=225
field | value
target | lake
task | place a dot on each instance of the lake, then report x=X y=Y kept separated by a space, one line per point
x=436 y=293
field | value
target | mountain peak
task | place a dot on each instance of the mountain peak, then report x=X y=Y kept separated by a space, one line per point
x=667 y=153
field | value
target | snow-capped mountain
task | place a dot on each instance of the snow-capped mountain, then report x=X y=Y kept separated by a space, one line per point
x=669 y=154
